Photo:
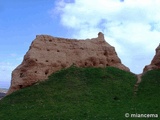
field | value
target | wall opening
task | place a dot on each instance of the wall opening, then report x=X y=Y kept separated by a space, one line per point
x=85 y=64
x=20 y=86
x=46 y=72
x=112 y=60
x=21 y=75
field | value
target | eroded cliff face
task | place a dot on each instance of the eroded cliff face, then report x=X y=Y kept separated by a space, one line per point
x=155 y=63
x=48 y=54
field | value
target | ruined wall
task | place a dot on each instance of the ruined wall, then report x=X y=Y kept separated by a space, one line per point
x=48 y=54
x=155 y=63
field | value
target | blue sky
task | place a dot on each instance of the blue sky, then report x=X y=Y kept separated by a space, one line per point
x=131 y=26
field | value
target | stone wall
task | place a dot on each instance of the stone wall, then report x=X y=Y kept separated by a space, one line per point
x=48 y=54
x=155 y=63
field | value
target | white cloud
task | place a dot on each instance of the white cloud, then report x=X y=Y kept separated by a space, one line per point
x=132 y=26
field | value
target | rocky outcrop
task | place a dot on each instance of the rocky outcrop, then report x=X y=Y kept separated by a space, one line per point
x=48 y=54
x=155 y=63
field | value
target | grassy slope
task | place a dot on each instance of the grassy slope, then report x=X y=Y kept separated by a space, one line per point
x=79 y=94
x=149 y=93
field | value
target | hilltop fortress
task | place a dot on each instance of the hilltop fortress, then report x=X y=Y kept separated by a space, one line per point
x=48 y=54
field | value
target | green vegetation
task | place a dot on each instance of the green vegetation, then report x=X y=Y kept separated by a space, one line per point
x=84 y=94
x=149 y=93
